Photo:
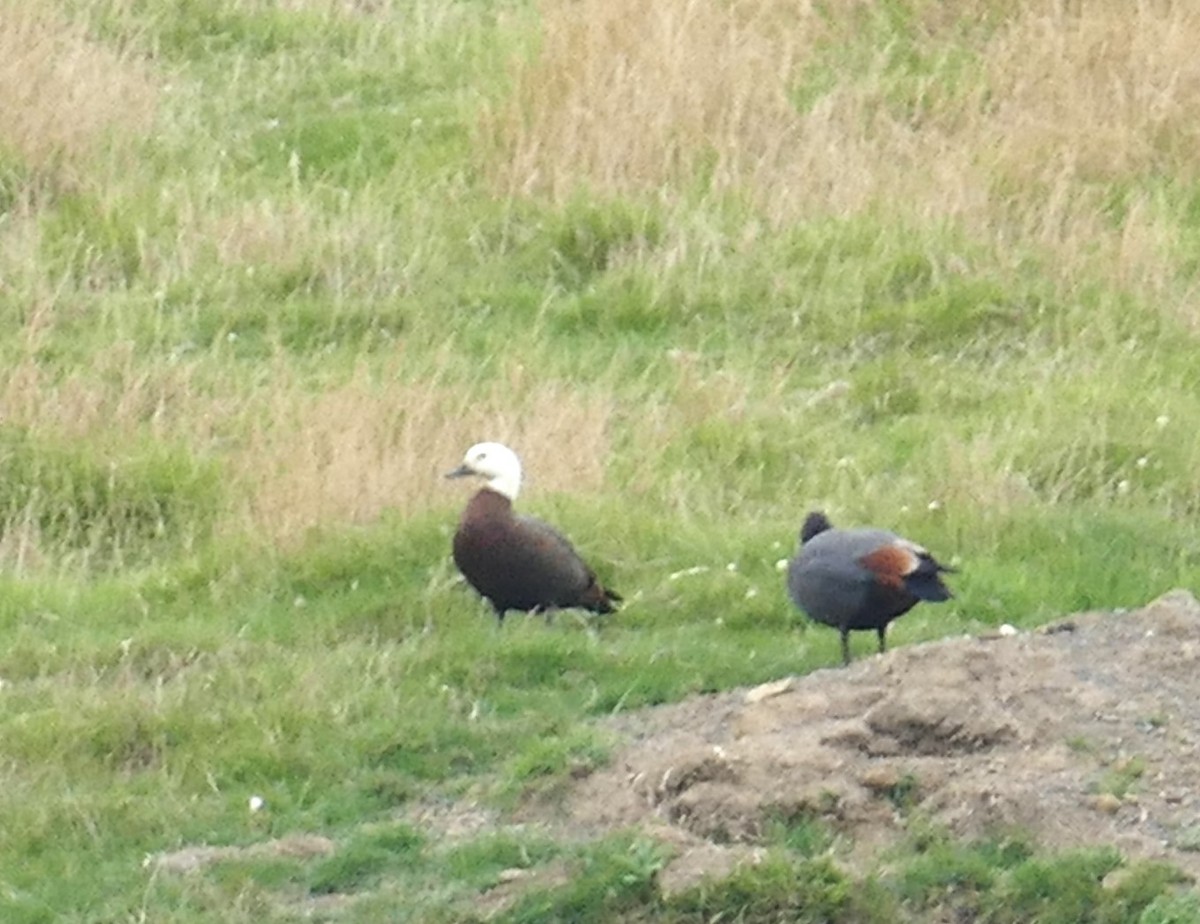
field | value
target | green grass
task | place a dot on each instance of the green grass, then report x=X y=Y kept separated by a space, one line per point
x=242 y=338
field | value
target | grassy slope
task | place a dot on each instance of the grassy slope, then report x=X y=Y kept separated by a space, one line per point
x=926 y=268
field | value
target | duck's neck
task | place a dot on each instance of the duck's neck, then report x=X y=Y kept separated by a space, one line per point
x=487 y=504
x=506 y=484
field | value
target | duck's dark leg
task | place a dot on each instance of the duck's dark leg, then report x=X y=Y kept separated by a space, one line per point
x=845 y=646
x=500 y=611
x=882 y=630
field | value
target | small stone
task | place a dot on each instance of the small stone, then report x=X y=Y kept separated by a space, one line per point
x=1106 y=802
x=880 y=779
x=767 y=690
x=1118 y=878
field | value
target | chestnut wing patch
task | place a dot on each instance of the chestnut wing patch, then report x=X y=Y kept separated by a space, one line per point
x=891 y=564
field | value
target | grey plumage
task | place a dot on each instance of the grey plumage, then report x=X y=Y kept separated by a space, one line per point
x=859 y=579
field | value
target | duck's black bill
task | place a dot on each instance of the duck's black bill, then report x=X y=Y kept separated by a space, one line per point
x=461 y=472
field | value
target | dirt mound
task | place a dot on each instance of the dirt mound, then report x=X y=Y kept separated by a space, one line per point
x=1085 y=732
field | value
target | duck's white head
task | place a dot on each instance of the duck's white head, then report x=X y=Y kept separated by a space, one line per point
x=495 y=462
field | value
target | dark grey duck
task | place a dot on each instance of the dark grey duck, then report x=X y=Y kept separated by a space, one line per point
x=859 y=579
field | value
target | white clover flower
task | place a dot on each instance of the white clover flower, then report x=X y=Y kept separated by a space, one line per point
x=687 y=572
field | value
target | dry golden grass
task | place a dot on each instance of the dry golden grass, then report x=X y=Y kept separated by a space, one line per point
x=326 y=7
x=685 y=95
x=297 y=460
x=1107 y=90
x=133 y=12
x=1080 y=96
x=630 y=95
x=350 y=452
x=62 y=93
x=117 y=398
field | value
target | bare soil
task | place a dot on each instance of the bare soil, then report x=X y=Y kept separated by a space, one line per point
x=1085 y=732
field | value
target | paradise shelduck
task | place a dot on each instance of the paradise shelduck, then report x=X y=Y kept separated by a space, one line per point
x=860 y=578
x=518 y=562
